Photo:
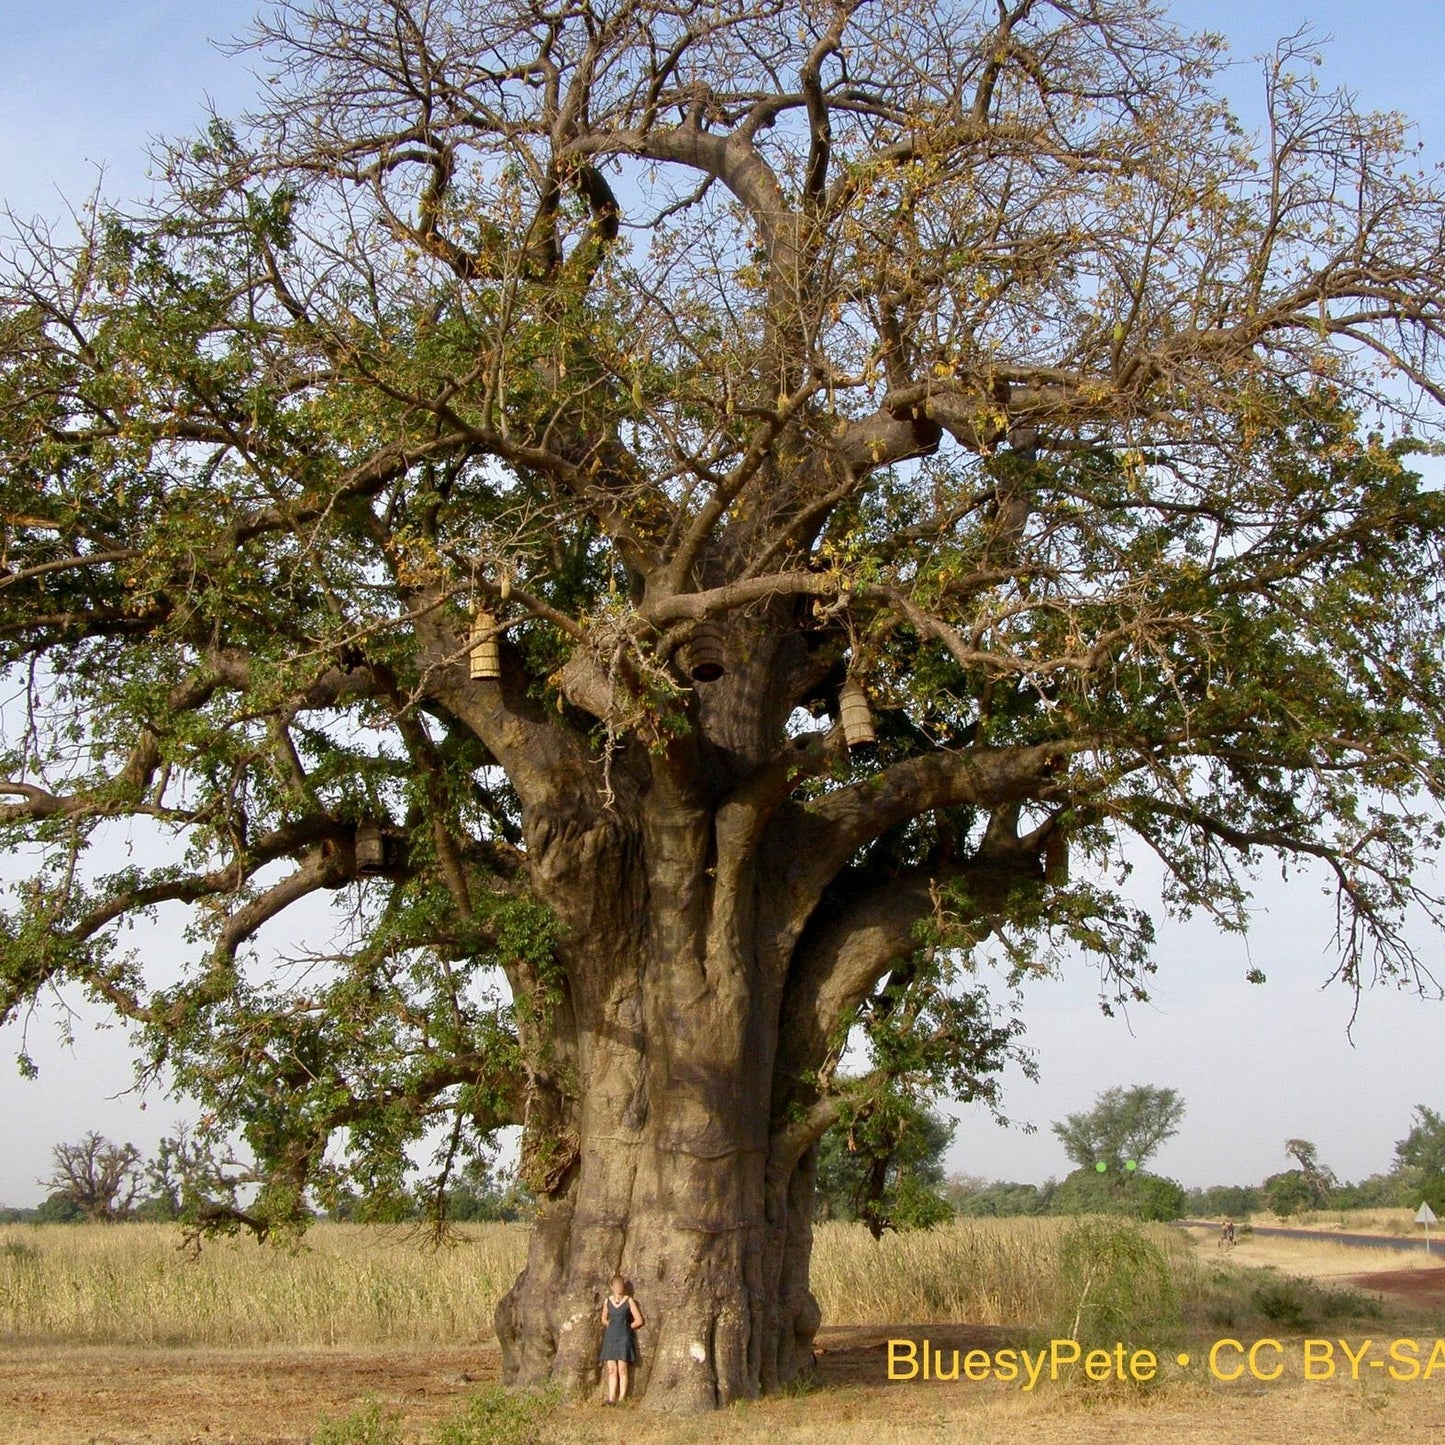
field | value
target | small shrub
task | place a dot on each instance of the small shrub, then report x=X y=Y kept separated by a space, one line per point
x=1115 y=1282
x=497 y=1417
x=1284 y=1302
x=368 y=1424
x=1350 y=1304
x=1301 y=1304
x=1220 y=1301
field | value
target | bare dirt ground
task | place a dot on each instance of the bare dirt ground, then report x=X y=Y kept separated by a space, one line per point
x=1419 y=1286
x=66 y=1395
x=228 y=1397
x=278 y=1397
x=76 y=1393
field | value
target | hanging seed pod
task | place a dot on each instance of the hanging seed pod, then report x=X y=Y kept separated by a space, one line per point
x=370 y=850
x=703 y=656
x=857 y=720
x=504 y=586
x=485 y=661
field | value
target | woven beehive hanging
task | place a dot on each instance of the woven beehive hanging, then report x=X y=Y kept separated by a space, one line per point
x=485 y=659
x=1056 y=859
x=370 y=849
x=703 y=656
x=856 y=717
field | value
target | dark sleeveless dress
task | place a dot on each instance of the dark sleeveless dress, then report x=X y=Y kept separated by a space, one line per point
x=619 y=1341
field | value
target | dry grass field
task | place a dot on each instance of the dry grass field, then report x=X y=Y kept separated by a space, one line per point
x=355 y=1285
x=346 y=1285
x=1318 y=1257
x=1399 y=1222
x=364 y=1337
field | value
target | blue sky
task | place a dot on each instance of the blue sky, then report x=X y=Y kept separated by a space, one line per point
x=88 y=85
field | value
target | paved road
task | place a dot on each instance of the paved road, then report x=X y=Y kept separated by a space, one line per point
x=1360 y=1241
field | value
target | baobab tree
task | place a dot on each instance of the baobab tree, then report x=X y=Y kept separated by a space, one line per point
x=99 y=1178
x=704 y=515
x=1318 y=1178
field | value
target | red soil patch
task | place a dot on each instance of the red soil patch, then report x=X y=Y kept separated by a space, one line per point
x=1420 y=1286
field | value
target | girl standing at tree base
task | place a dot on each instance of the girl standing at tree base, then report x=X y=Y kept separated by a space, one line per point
x=622 y=1319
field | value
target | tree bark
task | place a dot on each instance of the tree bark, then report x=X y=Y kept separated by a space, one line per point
x=650 y=1131
x=666 y=1186
x=675 y=1093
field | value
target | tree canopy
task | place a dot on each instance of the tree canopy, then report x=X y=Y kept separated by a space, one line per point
x=1423 y=1148
x=882 y=1164
x=498 y=488
x=1420 y=1160
x=1123 y=1130
x=98 y=1178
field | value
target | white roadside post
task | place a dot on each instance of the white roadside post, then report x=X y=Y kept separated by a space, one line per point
x=1426 y=1216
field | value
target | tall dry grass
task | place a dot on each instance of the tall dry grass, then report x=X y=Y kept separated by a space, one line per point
x=1350 y=1221
x=979 y=1271
x=346 y=1284
x=364 y=1285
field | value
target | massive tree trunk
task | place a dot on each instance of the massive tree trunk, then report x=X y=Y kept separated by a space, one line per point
x=652 y=1136
x=661 y=1174
x=674 y=1098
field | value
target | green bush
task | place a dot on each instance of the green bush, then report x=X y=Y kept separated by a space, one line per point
x=1137 y=1196
x=1115 y=1283
x=368 y=1424
x=497 y=1417
x=1084 y=1192
x=1288 y=1194
x=1298 y=1305
x=1157 y=1198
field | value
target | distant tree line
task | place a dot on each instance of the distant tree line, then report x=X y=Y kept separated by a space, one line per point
x=1417 y=1176
x=882 y=1164
x=1109 y=1146
x=192 y=1180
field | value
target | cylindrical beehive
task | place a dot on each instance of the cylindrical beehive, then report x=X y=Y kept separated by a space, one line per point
x=703 y=656
x=370 y=849
x=485 y=660
x=857 y=720
x=1056 y=859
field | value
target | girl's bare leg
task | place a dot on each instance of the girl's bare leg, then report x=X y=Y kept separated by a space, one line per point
x=623 y=1369
x=612 y=1370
